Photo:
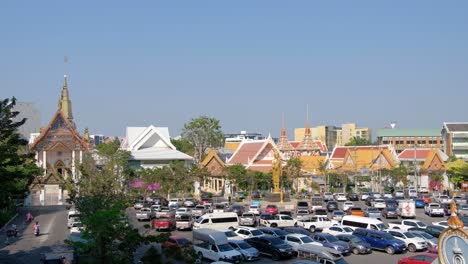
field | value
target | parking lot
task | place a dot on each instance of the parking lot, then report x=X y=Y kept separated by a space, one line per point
x=374 y=257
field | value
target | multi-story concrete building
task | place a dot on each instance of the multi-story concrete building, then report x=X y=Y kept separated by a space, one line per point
x=402 y=139
x=455 y=139
x=335 y=136
x=33 y=118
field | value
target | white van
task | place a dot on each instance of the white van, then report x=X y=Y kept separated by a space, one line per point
x=73 y=216
x=214 y=245
x=362 y=222
x=217 y=221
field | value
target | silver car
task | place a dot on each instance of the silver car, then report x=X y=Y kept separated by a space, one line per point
x=248 y=219
x=248 y=252
x=430 y=240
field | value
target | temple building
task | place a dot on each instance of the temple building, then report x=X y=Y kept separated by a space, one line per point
x=58 y=150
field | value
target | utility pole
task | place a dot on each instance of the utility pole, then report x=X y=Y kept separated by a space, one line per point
x=415 y=172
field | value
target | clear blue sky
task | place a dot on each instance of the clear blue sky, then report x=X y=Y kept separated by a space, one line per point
x=136 y=63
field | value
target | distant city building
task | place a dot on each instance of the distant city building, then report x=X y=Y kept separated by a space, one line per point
x=97 y=139
x=402 y=139
x=334 y=136
x=33 y=119
x=243 y=135
x=455 y=139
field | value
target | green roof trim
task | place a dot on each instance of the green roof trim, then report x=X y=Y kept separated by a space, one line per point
x=402 y=132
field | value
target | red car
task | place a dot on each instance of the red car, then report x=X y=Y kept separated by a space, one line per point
x=426 y=258
x=427 y=199
x=166 y=223
x=271 y=209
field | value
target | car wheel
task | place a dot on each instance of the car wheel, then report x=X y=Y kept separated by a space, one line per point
x=390 y=250
x=411 y=248
x=275 y=256
x=312 y=229
x=200 y=256
x=274 y=225
x=355 y=251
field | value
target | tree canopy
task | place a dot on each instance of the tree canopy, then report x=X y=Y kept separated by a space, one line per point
x=457 y=171
x=203 y=133
x=17 y=165
x=356 y=141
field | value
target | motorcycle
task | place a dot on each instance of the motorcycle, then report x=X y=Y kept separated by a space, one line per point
x=37 y=231
x=12 y=232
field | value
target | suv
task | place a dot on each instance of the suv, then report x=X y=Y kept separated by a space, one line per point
x=353 y=197
x=380 y=240
x=328 y=196
x=272 y=246
x=332 y=206
x=302 y=207
x=246 y=232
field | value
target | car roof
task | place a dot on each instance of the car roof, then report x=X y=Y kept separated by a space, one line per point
x=296 y=235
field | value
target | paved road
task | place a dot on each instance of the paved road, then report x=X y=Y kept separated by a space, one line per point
x=375 y=257
x=27 y=248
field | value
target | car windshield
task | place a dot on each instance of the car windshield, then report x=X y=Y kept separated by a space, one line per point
x=230 y=234
x=356 y=240
x=421 y=224
x=382 y=226
x=426 y=235
x=182 y=241
x=434 y=205
x=306 y=239
x=387 y=236
x=409 y=235
x=244 y=245
x=248 y=215
x=225 y=247
x=338 y=213
x=276 y=241
x=464 y=206
x=331 y=238
x=256 y=232
x=348 y=229
x=373 y=209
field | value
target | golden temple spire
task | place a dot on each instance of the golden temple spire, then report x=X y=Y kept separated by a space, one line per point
x=283 y=143
x=64 y=104
x=307 y=143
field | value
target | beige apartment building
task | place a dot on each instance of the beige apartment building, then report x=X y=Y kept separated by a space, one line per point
x=335 y=136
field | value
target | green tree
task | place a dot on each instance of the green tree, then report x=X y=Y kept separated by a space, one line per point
x=457 y=171
x=183 y=145
x=17 y=165
x=238 y=175
x=356 y=141
x=203 y=133
x=293 y=171
x=400 y=174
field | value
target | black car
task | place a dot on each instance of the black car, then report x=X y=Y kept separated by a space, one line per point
x=271 y=246
x=332 y=206
x=390 y=212
x=353 y=197
x=298 y=230
x=432 y=230
x=356 y=244
x=273 y=231
x=369 y=201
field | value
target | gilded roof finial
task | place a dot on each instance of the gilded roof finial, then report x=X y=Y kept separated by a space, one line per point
x=86 y=135
x=65 y=104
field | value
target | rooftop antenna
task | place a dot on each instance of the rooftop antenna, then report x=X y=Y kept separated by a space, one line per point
x=393 y=124
x=65 y=59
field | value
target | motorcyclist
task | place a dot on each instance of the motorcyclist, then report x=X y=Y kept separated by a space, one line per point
x=37 y=228
x=29 y=217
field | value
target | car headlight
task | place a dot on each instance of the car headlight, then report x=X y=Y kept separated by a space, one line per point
x=283 y=250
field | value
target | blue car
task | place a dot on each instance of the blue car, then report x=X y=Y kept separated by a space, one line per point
x=380 y=240
x=419 y=203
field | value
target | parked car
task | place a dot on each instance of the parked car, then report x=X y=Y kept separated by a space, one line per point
x=246 y=232
x=430 y=240
x=239 y=209
x=321 y=212
x=330 y=241
x=298 y=230
x=425 y=258
x=337 y=215
x=380 y=240
x=190 y=202
x=356 y=244
x=328 y=196
x=390 y=212
x=231 y=235
x=248 y=252
x=412 y=242
x=364 y=196
x=338 y=230
x=431 y=229
x=347 y=205
x=357 y=211
x=426 y=198
x=341 y=197
x=463 y=210
x=434 y=209
x=273 y=231
x=177 y=241
x=353 y=197
x=419 y=203
x=271 y=246
x=248 y=219
x=372 y=212
x=138 y=205
x=295 y=240
x=184 y=221
x=166 y=223
x=312 y=223
x=271 y=209
x=332 y=206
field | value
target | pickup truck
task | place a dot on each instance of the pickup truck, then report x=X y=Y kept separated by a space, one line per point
x=279 y=220
x=317 y=202
x=314 y=222
x=434 y=209
x=248 y=219
x=406 y=224
x=164 y=223
x=144 y=214
x=199 y=210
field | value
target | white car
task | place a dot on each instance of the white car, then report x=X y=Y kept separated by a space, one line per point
x=347 y=205
x=399 y=194
x=378 y=203
x=246 y=232
x=341 y=197
x=76 y=227
x=445 y=224
x=314 y=222
x=138 y=205
x=338 y=230
x=364 y=196
x=337 y=215
x=183 y=210
x=231 y=235
x=388 y=195
x=295 y=240
x=413 y=242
